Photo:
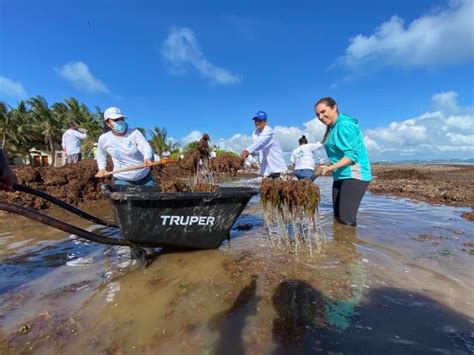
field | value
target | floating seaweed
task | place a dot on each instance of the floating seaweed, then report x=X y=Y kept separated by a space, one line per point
x=290 y=208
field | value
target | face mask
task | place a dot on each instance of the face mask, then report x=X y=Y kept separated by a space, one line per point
x=120 y=126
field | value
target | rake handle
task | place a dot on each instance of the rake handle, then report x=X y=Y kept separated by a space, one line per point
x=135 y=167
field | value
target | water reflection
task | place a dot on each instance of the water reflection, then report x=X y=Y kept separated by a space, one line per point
x=378 y=288
x=349 y=281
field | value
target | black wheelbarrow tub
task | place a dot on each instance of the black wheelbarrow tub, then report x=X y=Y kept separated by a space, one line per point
x=200 y=220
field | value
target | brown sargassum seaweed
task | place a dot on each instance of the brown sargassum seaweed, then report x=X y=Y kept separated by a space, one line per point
x=296 y=195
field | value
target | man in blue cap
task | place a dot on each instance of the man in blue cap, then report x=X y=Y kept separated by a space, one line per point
x=270 y=154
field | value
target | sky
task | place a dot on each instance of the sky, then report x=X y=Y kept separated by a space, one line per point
x=403 y=68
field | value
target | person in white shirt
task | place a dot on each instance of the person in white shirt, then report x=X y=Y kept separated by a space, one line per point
x=71 y=144
x=127 y=147
x=302 y=159
x=270 y=154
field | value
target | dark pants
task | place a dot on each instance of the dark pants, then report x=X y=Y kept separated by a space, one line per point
x=346 y=197
x=73 y=158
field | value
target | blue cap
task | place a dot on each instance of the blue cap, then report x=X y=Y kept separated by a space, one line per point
x=260 y=115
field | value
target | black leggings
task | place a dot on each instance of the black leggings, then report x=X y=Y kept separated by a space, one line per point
x=346 y=197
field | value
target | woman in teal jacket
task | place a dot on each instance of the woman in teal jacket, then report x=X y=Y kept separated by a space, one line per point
x=347 y=154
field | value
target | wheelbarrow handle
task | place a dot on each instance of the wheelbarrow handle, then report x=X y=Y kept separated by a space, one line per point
x=53 y=222
x=54 y=200
x=140 y=166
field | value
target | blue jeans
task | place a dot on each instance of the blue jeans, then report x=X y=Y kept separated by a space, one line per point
x=146 y=181
x=305 y=174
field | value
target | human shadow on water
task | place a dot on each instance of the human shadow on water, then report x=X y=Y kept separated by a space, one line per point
x=390 y=321
x=300 y=320
x=230 y=323
x=357 y=320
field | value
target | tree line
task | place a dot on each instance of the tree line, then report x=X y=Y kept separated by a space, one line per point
x=34 y=124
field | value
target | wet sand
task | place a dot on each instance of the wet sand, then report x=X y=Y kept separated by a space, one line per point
x=402 y=282
x=451 y=185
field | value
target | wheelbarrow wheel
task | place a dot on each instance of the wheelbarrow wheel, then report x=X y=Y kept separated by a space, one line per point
x=140 y=255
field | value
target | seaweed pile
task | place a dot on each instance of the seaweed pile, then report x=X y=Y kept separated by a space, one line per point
x=290 y=209
x=73 y=184
x=196 y=172
x=77 y=185
x=226 y=165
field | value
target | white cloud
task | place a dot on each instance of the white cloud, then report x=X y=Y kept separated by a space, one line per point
x=11 y=88
x=439 y=38
x=461 y=139
x=79 y=75
x=181 y=49
x=236 y=143
x=447 y=132
x=446 y=101
x=191 y=137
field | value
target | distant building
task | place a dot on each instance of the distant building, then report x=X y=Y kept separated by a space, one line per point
x=40 y=158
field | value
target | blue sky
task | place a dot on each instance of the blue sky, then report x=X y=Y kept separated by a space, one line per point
x=404 y=68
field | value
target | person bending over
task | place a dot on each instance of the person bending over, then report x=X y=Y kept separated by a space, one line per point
x=303 y=159
x=127 y=147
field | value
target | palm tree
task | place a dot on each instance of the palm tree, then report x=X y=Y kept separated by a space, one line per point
x=159 y=141
x=5 y=123
x=17 y=132
x=81 y=114
x=191 y=146
x=49 y=124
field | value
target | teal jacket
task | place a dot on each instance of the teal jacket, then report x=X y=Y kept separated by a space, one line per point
x=345 y=140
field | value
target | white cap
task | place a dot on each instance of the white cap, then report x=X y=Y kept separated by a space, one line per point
x=113 y=113
x=166 y=153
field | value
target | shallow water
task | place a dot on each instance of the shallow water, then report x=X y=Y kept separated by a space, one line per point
x=402 y=282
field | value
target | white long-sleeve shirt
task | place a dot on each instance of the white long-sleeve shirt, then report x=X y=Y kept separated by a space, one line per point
x=72 y=141
x=270 y=154
x=303 y=157
x=128 y=150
